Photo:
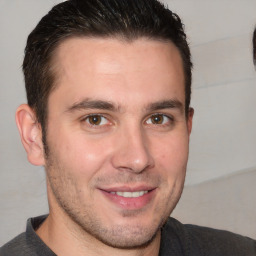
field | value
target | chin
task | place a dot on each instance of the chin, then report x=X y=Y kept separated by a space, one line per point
x=125 y=238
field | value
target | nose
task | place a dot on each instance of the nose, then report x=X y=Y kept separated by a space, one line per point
x=132 y=152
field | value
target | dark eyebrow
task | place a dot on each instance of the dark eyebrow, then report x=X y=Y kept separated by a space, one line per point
x=92 y=104
x=165 y=104
x=106 y=105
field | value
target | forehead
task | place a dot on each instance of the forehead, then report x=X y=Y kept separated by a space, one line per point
x=111 y=49
x=98 y=67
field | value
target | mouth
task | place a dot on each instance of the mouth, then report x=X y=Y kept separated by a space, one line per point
x=130 y=199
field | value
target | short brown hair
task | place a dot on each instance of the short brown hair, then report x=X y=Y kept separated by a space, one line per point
x=96 y=18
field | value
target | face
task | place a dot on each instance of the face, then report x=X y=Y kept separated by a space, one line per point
x=118 y=137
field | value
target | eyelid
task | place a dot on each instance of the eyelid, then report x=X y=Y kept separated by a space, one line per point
x=93 y=114
x=162 y=114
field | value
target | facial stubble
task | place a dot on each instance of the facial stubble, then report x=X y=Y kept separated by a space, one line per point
x=64 y=190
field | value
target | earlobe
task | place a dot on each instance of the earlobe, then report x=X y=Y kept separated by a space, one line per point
x=31 y=134
x=190 y=119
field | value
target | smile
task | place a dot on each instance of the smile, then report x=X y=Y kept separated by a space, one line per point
x=130 y=194
x=128 y=198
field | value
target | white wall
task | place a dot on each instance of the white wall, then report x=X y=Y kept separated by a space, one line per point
x=224 y=87
x=224 y=135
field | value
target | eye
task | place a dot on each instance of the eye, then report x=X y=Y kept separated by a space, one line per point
x=158 y=119
x=96 y=120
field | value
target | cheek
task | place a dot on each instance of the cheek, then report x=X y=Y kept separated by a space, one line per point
x=171 y=156
x=173 y=150
x=77 y=153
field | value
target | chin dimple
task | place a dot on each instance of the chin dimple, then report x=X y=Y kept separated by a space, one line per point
x=130 y=194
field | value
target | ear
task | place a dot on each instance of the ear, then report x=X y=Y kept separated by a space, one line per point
x=190 y=119
x=31 y=134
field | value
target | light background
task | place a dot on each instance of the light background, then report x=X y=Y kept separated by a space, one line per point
x=220 y=186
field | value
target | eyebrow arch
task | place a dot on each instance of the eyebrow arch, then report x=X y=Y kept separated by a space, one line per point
x=92 y=104
x=166 y=104
x=105 y=105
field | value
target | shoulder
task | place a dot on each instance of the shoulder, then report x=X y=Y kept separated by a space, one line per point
x=196 y=240
x=221 y=242
x=27 y=243
x=17 y=246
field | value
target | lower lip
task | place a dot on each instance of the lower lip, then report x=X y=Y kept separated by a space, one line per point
x=131 y=203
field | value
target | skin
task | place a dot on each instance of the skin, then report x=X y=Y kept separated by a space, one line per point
x=116 y=122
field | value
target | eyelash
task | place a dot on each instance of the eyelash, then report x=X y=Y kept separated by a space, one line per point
x=101 y=116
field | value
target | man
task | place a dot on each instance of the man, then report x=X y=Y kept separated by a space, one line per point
x=108 y=86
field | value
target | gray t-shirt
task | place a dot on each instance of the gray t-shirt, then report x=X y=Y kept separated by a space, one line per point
x=176 y=240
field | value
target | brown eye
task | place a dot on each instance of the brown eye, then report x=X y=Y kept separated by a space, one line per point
x=157 y=119
x=96 y=120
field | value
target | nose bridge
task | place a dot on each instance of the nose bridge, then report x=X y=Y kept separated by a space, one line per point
x=132 y=151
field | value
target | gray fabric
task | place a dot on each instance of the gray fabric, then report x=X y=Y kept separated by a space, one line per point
x=177 y=240
x=28 y=243
x=191 y=240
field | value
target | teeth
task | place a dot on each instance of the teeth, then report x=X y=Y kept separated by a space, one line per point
x=130 y=194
